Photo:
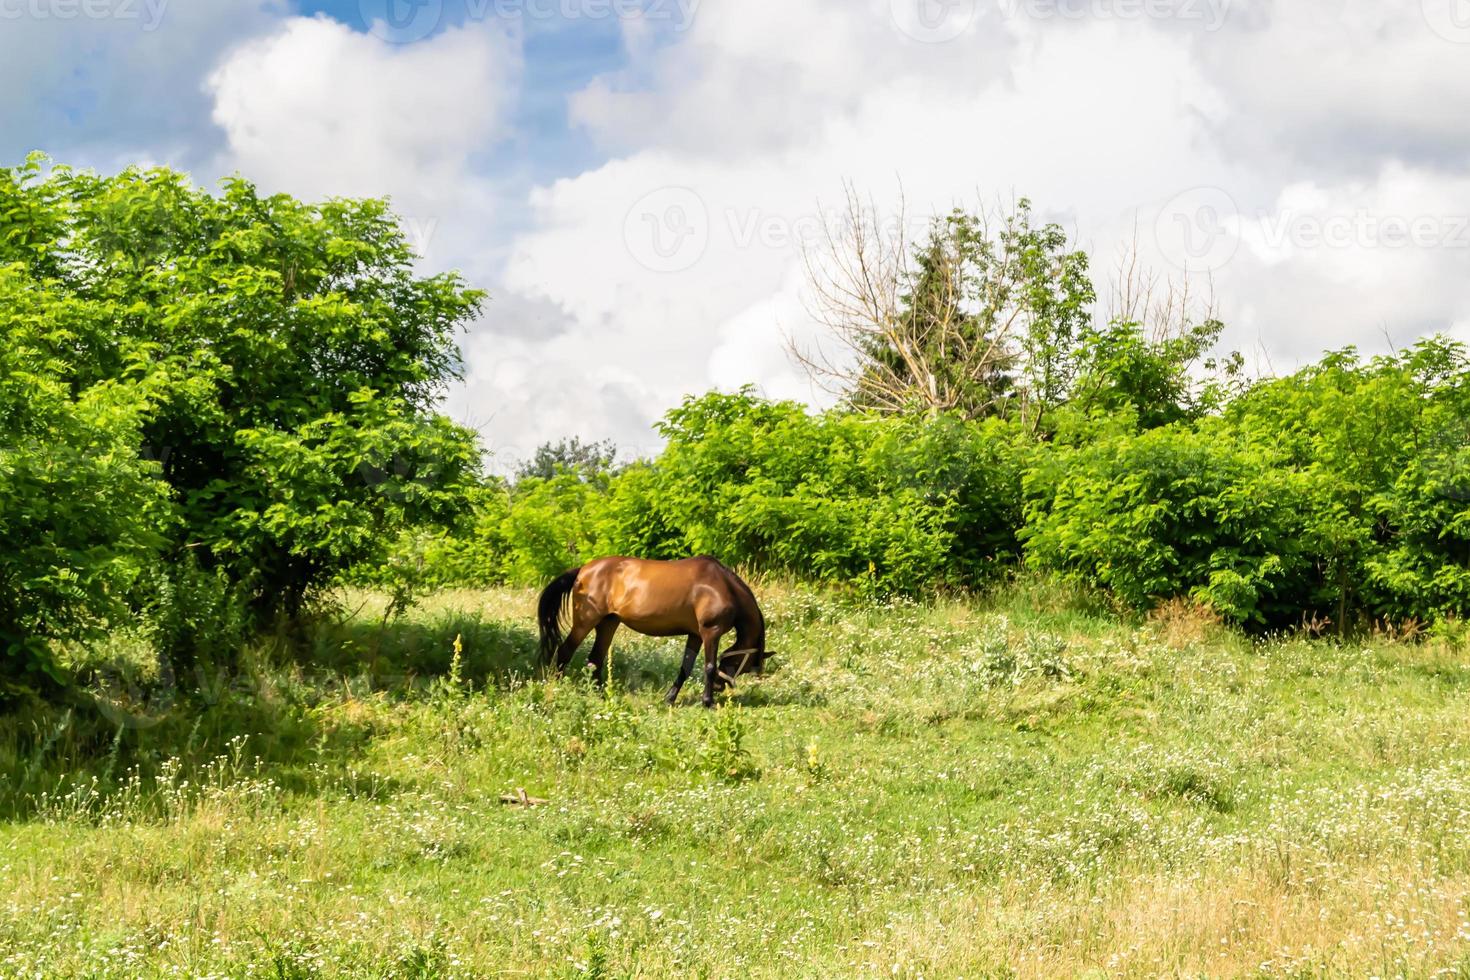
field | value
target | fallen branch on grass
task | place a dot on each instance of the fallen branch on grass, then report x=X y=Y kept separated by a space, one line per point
x=519 y=798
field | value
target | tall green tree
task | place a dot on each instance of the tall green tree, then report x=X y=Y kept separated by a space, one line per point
x=83 y=514
x=281 y=362
x=982 y=318
x=585 y=459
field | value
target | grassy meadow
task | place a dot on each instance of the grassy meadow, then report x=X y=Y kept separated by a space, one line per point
x=1021 y=786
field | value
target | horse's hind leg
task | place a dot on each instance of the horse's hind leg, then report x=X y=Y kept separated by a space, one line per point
x=582 y=624
x=691 y=650
x=598 y=657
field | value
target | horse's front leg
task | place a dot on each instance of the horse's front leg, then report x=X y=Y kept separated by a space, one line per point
x=691 y=650
x=711 y=638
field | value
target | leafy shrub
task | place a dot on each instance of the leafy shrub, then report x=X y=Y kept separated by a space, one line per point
x=1171 y=511
x=890 y=504
x=1342 y=489
x=1382 y=447
x=82 y=514
x=1002 y=660
x=280 y=362
x=197 y=615
x=1122 y=370
x=893 y=504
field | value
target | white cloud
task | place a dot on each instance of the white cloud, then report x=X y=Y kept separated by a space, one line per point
x=112 y=83
x=1367 y=261
x=1341 y=85
x=755 y=76
x=718 y=318
x=316 y=109
x=728 y=140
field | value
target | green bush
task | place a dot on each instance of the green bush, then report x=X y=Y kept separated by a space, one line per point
x=890 y=504
x=1168 y=512
x=1383 y=446
x=284 y=359
x=82 y=513
x=207 y=398
x=1339 y=491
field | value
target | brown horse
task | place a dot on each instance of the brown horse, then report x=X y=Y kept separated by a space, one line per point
x=694 y=597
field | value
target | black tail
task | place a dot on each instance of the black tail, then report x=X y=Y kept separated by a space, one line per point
x=548 y=612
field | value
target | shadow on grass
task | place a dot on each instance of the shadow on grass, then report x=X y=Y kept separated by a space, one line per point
x=642 y=670
x=645 y=670
x=397 y=655
x=302 y=705
x=299 y=698
x=769 y=693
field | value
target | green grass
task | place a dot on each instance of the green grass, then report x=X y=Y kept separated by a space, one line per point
x=1017 y=788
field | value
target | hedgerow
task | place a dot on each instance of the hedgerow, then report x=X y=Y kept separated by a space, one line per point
x=1336 y=493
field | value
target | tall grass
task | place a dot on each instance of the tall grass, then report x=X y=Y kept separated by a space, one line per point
x=1020 y=785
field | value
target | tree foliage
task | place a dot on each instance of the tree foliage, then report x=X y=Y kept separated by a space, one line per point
x=241 y=380
x=983 y=318
x=586 y=459
x=1339 y=493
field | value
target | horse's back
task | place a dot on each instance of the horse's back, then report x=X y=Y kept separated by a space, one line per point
x=662 y=598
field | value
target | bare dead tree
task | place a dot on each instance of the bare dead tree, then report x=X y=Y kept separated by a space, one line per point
x=1165 y=307
x=898 y=339
x=1178 y=318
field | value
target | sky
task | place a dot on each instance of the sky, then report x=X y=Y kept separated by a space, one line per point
x=634 y=181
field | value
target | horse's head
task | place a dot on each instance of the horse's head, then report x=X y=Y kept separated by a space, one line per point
x=738 y=662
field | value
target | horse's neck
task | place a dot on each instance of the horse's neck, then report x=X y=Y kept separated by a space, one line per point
x=750 y=629
x=750 y=626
